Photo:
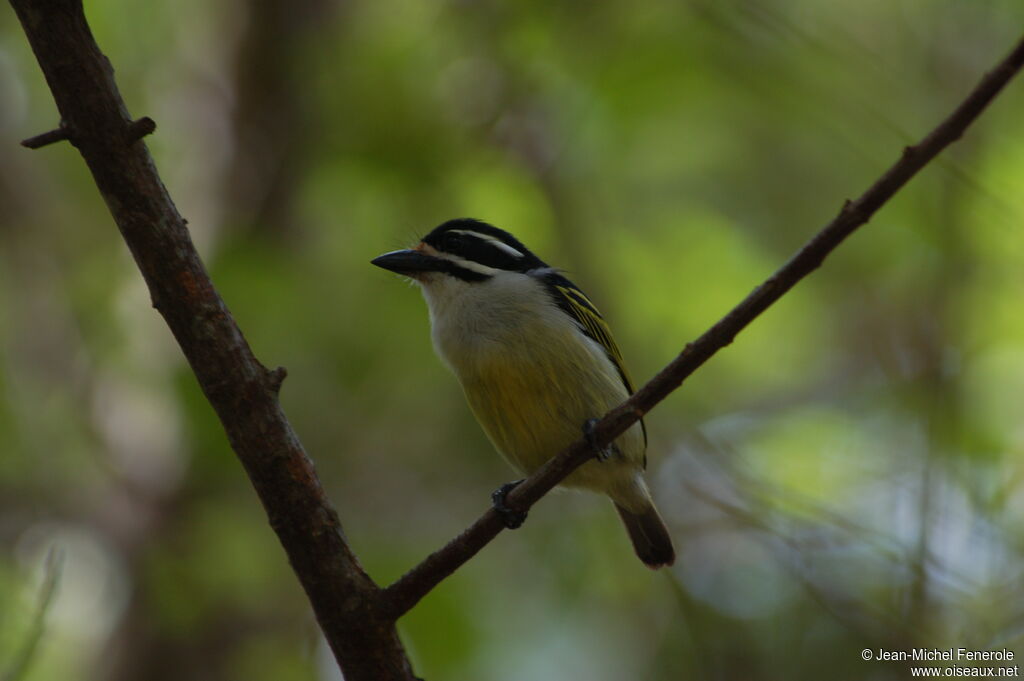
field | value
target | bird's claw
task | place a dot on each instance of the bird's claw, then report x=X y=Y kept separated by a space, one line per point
x=589 y=434
x=510 y=517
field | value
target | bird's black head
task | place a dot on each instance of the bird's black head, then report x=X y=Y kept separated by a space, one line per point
x=478 y=242
x=468 y=249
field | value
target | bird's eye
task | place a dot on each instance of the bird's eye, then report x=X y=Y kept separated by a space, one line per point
x=451 y=242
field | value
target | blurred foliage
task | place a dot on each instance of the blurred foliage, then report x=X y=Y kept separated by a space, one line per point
x=847 y=475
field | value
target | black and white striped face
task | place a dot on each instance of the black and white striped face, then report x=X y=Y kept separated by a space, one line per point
x=466 y=249
x=479 y=248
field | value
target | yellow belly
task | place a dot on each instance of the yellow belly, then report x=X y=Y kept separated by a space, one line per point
x=532 y=407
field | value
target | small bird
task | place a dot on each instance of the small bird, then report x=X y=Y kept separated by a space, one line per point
x=536 y=361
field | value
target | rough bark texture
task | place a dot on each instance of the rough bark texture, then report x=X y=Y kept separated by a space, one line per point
x=242 y=391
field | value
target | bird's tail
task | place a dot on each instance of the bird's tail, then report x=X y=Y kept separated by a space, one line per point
x=649 y=535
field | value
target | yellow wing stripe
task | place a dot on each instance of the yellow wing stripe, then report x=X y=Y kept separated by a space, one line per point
x=595 y=326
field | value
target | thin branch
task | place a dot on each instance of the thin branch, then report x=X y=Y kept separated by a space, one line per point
x=47 y=138
x=241 y=390
x=22 y=661
x=138 y=129
x=410 y=588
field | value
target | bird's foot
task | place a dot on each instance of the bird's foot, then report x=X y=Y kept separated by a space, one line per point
x=510 y=517
x=589 y=434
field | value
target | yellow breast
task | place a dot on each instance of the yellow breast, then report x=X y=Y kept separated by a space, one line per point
x=533 y=401
x=530 y=375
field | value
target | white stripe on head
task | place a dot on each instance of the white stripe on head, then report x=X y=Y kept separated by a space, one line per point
x=461 y=262
x=472 y=265
x=494 y=241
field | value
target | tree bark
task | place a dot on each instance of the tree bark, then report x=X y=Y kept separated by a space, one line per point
x=242 y=391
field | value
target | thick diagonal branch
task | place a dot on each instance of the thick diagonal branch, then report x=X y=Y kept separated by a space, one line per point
x=407 y=591
x=242 y=391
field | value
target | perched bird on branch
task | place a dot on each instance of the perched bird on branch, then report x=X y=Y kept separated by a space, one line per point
x=537 y=362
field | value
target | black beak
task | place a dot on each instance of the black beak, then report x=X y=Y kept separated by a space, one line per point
x=409 y=262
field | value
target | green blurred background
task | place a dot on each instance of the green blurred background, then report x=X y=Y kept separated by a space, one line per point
x=846 y=475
